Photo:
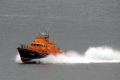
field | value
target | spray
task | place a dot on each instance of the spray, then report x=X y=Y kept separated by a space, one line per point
x=92 y=55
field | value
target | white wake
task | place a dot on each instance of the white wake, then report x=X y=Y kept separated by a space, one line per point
x=92 y=55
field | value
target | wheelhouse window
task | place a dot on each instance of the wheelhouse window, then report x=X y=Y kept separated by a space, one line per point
x=41 y=45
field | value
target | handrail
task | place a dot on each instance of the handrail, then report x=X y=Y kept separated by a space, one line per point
x=23 y=46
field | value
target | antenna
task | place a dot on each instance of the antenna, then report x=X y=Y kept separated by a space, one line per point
x=47 y=31
x=39 y=34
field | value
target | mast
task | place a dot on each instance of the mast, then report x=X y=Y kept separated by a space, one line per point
x=47 y=33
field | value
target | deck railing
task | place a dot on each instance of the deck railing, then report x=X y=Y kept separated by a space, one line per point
x=23 y=46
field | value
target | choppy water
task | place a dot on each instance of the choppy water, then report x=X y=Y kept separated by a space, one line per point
x=89 y=29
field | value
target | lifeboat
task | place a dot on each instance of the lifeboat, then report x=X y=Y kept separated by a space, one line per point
x=41 y=47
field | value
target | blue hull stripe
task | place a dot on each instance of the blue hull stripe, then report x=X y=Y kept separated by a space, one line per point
x=25 y=53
